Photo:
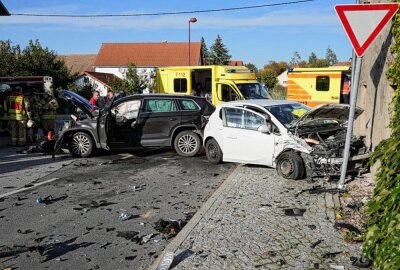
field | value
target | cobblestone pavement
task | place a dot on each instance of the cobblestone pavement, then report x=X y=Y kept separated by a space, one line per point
x=247 y=228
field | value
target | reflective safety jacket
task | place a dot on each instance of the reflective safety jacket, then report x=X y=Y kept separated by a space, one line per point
x=18 y=107
x=49 y=110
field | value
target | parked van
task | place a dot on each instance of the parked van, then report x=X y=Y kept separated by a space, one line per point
x=315 y=86
x=217 y=83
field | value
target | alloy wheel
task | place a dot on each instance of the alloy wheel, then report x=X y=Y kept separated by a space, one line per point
x=80 y=144
x=187 y=144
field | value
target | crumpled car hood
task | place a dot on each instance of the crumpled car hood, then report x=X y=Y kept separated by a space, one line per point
x=339 y=112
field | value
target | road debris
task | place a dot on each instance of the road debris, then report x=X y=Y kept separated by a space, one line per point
x=105 y=244
x=313 y=245
x=166 y=261
x=170 y=228
x=6 y=251
x=361 y=262
x=130 y=258
x=320 y=189
x=329 y=255
x=25 y=231
x=294 y=212
x=147 y=238
x=130 y=235
x=345 y=227
x=124 y=216
x=46 y=200
x=337 y=267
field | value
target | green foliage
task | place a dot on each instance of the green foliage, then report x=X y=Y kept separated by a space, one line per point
x=34 y=60
x=382 y=240
x=296 y=59
x=205 y=52
x=279 y=92
x=132 y=84
x=277 y=67
x=268 y=78
x=330 y=57
x=219 y=54
x=251 y=66
x=85 y=90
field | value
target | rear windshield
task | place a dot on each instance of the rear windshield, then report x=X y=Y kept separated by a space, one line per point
x=206 y=107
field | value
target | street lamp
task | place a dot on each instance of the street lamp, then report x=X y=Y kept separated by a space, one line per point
x=192 y=20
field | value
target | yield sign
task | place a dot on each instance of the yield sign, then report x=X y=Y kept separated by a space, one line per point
x=363 y=23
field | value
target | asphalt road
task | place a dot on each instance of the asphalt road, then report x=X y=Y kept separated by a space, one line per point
x=80 y=228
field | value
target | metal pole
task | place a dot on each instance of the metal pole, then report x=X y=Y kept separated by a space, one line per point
x=353 y=103
x=189 y=42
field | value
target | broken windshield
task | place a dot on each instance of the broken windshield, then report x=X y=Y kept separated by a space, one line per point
x=287 y=113
x=253 y=91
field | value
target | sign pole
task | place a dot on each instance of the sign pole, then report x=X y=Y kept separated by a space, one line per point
x=353 y=103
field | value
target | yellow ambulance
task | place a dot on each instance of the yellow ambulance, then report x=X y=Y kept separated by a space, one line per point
x=217 y=83
x=315 y=86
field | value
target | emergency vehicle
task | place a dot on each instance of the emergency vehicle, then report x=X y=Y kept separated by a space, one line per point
x=217 y=83
x=29 y=84
x=315 y=86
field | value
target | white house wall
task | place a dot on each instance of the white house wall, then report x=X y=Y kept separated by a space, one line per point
x=98 y=86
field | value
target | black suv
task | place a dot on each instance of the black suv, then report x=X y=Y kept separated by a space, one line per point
x=153 y=120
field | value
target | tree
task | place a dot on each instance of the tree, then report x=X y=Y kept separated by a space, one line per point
x=131 y=84
x=34 y=60
x=277 y=67
x=204 y=52
x=219 y=54
x=252 y=67
x=9 y=55
x=312 y=59
x=330 y=56
x=296 y=59
x=268 y=78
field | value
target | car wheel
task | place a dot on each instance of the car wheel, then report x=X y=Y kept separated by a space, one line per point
x=187 y=143
x=290 y=166
x=81 y=145
x=213 y=151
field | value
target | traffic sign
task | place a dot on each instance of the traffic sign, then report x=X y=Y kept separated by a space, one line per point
x=364 y=22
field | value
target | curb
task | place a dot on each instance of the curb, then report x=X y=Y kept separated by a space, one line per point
x=202 y=212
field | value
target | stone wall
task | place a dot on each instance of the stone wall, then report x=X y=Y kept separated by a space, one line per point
x=375 y=92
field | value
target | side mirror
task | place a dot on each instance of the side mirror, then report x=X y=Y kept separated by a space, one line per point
x=265 y=128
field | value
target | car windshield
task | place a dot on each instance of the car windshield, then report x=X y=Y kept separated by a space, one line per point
x=287 y=113
x=253 y=91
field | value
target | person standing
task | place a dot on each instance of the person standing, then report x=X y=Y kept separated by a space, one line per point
x=19 y=111
x=49 y=111
x=37 y=106
x=110 y=95
x=95 y=98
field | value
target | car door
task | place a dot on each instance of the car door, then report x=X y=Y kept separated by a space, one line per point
x=157 y=119
x=241 y=140
x=121 y=124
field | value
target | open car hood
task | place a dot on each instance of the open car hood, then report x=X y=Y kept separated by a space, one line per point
x=78 y=101
x=339 y=112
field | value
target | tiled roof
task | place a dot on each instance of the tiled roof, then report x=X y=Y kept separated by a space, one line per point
x=148 y=54
x=79 y=63
x=343 y=63
x=235 y=63
x=104 y=78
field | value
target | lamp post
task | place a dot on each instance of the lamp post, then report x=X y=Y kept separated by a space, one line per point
x=192 y=20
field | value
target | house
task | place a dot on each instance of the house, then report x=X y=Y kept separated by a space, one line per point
x=283 y=79
x=99 y=81
x=114 y=58
x=235 y=63
x=79 y=63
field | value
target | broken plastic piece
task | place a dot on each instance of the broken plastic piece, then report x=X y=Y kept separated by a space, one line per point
x=295 y=212
x=124 y=216
x=46 y=200
x=166 y=261
x=337 y=267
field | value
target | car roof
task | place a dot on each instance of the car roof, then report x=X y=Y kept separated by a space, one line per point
x=259 y=102
x=176 y=96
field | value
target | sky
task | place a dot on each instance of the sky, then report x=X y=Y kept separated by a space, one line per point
x=253 y=35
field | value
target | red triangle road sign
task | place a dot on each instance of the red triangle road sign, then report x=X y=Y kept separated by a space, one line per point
x=364 y=22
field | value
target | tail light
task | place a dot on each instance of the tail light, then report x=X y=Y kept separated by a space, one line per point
x=50 y=135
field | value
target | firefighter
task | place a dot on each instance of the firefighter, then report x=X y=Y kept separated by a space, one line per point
x=48 y=116
x=19 y=112
x=37 y=106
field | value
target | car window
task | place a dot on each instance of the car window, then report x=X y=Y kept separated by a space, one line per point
x=227 y=93
x=160 y=105
x=239 y=118
x=128 y=109
x=188 y=105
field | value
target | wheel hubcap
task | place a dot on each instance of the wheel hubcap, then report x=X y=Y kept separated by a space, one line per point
x=80 y=145
x=187 y=144
x=286 y=167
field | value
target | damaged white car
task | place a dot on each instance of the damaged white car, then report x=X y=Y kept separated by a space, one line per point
x=296 y=140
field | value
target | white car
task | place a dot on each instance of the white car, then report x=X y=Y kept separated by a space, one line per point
x=296 y=140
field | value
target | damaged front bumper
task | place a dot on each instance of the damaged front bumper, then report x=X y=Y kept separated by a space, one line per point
x=317 y=166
